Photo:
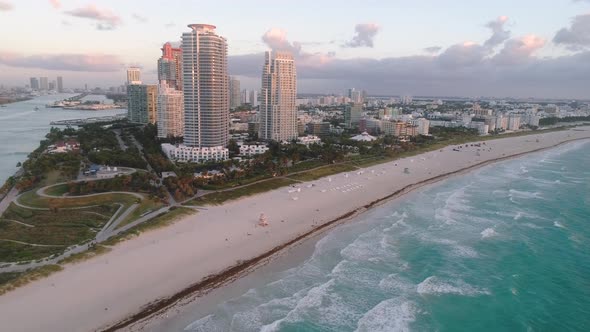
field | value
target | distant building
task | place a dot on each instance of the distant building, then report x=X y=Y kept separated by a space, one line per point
x=60 y=84
x=170 y=66
x=318 y=128
x=184 y=153
x=309 y=140
x=364 y=137
x=352 y=115
x=205 y=88
x=142 y=103
x=235 y=94
x=422 y=124
x=133 y=75
x=44 y=84
x=514 y=122
x=34 y=84
x=52 y=86
x=170 y=111
x=278 y=112
x=252 y=150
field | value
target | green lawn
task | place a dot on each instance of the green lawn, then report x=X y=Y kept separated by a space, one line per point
x=324 y=171
x=30 y=198
x=218 y=198
x=58 y=190
x=56 y=229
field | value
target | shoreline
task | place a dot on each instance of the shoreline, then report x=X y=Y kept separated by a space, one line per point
x=231 y=274
x=132 y=284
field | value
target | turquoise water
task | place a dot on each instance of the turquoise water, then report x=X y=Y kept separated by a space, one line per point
x=505 y=248
x=21 y=127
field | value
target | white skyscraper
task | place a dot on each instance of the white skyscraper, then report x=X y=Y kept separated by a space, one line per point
x=278 y=111
x=170 y=111
x=235 y=95
x=205 y=87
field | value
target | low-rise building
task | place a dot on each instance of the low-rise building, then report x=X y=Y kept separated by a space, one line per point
x=64 y=147
x=183 y=153
x=309 y=140
x=364 y=137
x=252 y=150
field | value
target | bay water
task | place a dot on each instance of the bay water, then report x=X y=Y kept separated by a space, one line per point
x=503 y=248
x=22 y=127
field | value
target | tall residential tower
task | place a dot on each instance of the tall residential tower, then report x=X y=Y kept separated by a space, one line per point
x=170 y=66
x=278 y=111
x=205 y=87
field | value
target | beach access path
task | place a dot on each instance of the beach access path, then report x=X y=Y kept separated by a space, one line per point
x=104 y=290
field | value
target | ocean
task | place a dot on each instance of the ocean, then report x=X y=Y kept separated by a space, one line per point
x=22 y=128
x=503 y=248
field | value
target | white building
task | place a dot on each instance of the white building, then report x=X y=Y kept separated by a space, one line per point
x=422 y=124
x=252 y=150
x=514 y=122
x=364 y=137
x=309 y=140
x=482 y=128
x=278 y=112
x=205 y=86
x=170 y=111
x=235 y=94
x=183 y=153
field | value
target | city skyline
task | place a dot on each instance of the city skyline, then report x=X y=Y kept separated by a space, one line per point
x=498 y=49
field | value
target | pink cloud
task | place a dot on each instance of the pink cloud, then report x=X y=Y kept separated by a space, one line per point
x=71 y=62
x=107 y=20
x=518 y=50
x=6 y=6
x=55 y=3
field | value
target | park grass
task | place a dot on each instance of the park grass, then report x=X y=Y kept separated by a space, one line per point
x=218 y=198
x=18 y=252
x=12 y=280
x=318 y=173
x=163 y=220
x=146 y=205
x=60 y=229
x=58 y=190
x=85 y=255
x=306 y=165
x=31 y=199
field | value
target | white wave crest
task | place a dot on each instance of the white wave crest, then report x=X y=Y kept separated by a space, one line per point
x=434 y=286
x=487 y=233
x=389 y=315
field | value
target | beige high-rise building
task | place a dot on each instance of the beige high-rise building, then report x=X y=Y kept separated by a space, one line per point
x=133 y=75
x=205 y=87
x=278 y=110
x=170 y=111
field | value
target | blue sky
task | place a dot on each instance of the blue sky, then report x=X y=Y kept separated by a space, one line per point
x=131 y=32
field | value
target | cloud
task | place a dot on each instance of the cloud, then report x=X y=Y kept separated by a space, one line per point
x=169 y=25
x=463 y=55
x=433 y=49
x=6 y=6
x=276 y=39
x=106 y=19
x=519 y=50
x=364 y=34
x=499 y=33
x=71 y=62
x=577 y=36
x=55 y=3
x=139 y=18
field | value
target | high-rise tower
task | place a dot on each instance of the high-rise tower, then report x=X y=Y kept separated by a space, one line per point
x=205 y=87
x=278 y=111
x=170 y=66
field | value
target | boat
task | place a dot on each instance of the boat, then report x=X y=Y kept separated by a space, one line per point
x=36 y=109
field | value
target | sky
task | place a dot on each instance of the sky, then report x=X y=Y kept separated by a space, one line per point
x=488 y=48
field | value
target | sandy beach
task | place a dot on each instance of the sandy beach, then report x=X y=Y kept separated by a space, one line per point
x=100 y=292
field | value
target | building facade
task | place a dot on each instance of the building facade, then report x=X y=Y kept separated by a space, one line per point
x=170 y=111
x=34 y=84
x=44 y=84
x=60 y=84
x=235 y=94
x=278 y=111
x=142 y=103
x=133 y=75
x=205 y=87
x=170 y=66
x=352 y=115
x=193 y=154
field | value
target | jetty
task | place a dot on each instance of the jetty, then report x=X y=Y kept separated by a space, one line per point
x=81 y=122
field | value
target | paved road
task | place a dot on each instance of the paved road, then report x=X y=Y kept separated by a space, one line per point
x=5 y=203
